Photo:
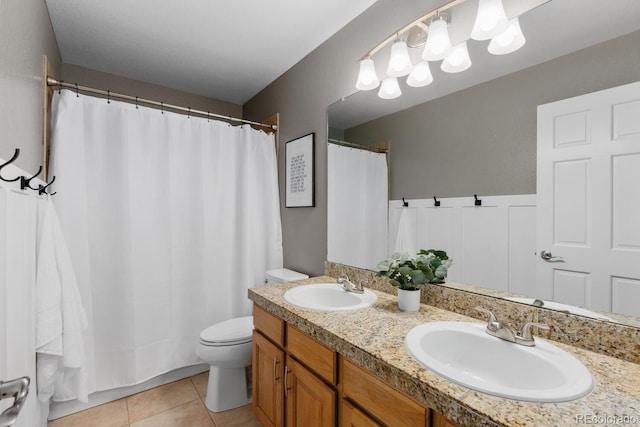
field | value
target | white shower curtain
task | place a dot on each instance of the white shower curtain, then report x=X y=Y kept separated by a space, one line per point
x=357 y=205
x=169 y=220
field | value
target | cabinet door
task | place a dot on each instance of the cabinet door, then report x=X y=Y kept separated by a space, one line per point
x=354 y=417
x=310 y=402
x=267 y=379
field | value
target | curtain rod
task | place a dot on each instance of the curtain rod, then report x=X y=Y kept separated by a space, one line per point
x=358 y=146
x=53 y=82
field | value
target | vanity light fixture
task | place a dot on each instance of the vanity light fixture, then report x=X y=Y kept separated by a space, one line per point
x=389 y=88
x=458 y=60
x=399 y=61
x=491 y=22
x=509 y=41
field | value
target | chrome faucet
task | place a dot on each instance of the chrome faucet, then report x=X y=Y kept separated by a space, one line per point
x=349 y=286
x=500 y=329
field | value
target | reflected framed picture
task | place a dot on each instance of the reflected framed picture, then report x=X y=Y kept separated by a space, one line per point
x=299 y=174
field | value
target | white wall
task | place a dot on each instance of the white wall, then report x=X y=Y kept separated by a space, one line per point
x=492 y=245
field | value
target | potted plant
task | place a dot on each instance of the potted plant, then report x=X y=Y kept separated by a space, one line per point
x=408 y=274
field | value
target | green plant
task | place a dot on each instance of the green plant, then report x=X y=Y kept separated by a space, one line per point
x=405 y=272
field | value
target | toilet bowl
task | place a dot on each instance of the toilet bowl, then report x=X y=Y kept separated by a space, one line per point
x=226 y=347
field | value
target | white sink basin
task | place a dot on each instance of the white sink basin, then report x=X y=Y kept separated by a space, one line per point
x=328 y=297
x=465 y=354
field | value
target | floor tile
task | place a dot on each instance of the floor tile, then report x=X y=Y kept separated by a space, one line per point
x=192 y=414
x=159 y=399
x=239 y=417
x=112 y=414
x=200 y=382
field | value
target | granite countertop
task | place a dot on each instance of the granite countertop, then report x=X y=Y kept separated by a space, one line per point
x=374 y=339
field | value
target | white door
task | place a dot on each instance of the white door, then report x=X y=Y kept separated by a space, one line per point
x=588 y=187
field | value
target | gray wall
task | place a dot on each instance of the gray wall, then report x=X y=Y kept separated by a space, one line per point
x=301 y=96
x=482 y=140
x=479 y=156
x=25 y=36
x=99 y=80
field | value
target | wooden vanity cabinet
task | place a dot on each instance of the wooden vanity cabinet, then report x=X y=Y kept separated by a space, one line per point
x=299 y=382
x=294 y=376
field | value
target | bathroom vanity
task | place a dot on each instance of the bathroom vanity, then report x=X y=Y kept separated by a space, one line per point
x=351 y=368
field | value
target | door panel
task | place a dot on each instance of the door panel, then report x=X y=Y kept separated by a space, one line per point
x=589 y=200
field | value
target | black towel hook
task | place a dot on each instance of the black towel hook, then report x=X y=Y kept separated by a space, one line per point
x=436 y=202
x=477 y=202
x=26 y=182
x=11 y=160
x=405 y=204
x=42 y=189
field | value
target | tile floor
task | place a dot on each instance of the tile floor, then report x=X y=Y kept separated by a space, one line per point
x=177 y=404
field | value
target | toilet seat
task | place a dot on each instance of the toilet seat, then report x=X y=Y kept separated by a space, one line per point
x=230 y=332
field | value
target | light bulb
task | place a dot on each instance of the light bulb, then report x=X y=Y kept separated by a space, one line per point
x=438 y=44
x=399 y=61
x=458 y=60
x=420 y=75
x=367 y=77
x=490 y=20
x=509 y=41
x=389 y=88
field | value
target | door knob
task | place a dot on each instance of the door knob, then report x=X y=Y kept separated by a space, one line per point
x=548 y=256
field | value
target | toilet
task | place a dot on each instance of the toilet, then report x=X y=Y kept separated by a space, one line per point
x=226 y=347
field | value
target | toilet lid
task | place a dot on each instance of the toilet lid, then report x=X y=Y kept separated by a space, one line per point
x=232 y=331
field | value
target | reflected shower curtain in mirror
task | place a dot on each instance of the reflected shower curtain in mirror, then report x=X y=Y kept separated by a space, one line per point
x=357 y=205
x=169 y=220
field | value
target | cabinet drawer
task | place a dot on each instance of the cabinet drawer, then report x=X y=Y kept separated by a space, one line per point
x=270 y=325
x=317 y=357
x=354 y=417
x=382 y=401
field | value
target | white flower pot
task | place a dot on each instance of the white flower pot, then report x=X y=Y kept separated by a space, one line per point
x=408 y=300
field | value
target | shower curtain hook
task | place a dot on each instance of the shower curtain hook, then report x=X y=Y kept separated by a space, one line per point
x=77 y=95
x=136 y=102
x=161 y=108
x=405 y=204
x=189 y=113
x=108 y=97
x=477 y=201
x=60 y=87
x=15 y=156
x=436 y=202
x=208 y=117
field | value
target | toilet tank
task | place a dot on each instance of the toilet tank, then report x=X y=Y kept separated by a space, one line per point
x=279 y=275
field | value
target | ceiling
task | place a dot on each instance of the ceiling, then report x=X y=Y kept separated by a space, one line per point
x=226 y=50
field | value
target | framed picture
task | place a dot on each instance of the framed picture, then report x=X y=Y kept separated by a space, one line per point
x=299 y=174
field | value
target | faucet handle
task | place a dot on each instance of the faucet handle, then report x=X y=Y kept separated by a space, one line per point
x=492 y=317
x=526 y=329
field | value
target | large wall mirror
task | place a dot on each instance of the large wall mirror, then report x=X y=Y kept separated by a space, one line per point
x=476 y=132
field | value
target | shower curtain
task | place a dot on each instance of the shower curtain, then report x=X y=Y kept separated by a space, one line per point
x=357 y=206
x=169 y=220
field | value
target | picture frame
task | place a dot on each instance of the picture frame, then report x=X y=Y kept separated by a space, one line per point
x=300 y=172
